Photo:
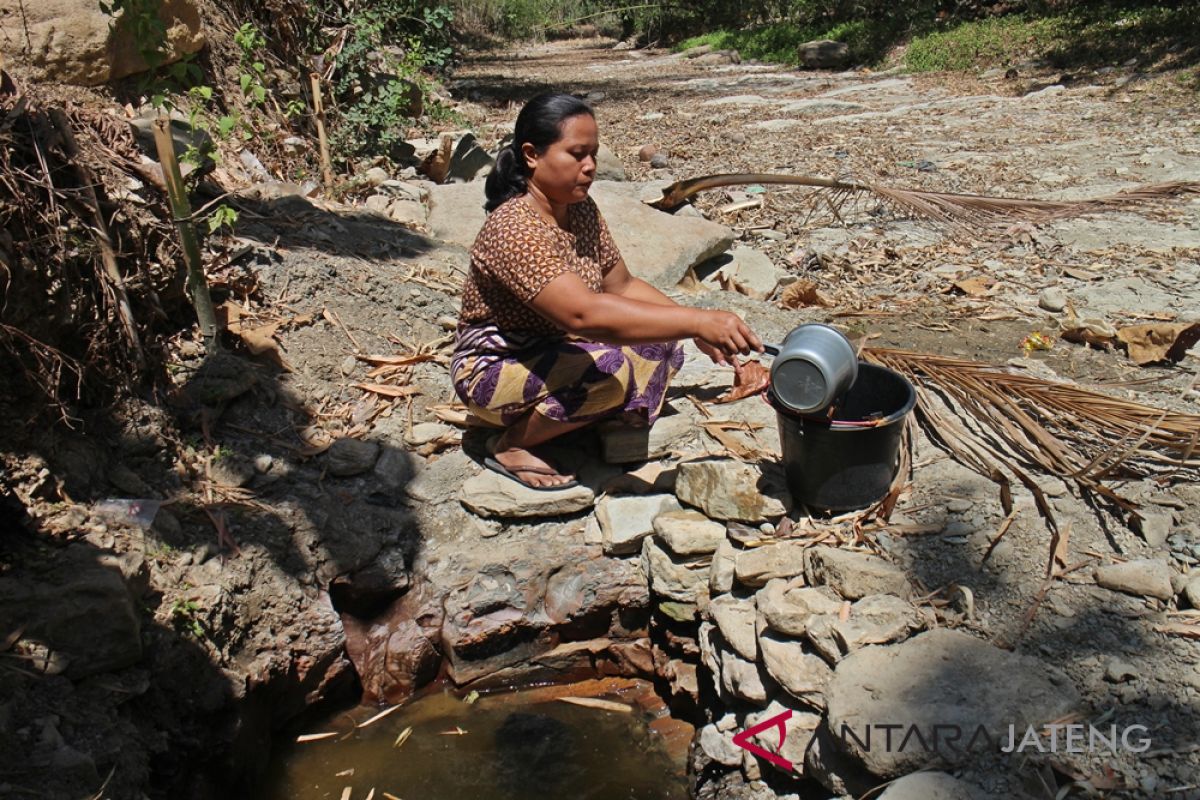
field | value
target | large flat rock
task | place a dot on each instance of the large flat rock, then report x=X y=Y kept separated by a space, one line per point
x=73 y=41
x=658 y=247
x=943 y=678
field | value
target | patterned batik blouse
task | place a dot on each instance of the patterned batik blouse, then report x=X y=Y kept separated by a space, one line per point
x=518 y=252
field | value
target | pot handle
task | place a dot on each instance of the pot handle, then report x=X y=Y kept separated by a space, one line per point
x=772 y=349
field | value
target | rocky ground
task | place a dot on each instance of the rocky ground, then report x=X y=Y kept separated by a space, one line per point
x=327 y=526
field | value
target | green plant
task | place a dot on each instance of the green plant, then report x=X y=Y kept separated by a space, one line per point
x=141 y=19
x=222 y=217
x=250 y=41
x=379 y=81
x=183 y=617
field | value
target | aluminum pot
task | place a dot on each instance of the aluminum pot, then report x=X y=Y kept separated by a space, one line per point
x=813 y=366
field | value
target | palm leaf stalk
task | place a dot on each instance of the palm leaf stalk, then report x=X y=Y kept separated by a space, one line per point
x=949 y=208
x=998 y=423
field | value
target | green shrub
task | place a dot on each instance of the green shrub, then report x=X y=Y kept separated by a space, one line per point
x=379 y=79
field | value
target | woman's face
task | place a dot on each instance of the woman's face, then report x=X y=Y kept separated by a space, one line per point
x=565 y=172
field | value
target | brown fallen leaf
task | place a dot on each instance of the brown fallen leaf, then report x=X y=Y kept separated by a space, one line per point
x=1159 y=341
x=437 y=163
x=1094 y=332
x=388 y=391
x=751 y=379
x=396 y=361
x=1060 y=542
x=978 y=286
x=451 y=414
x=802 y=294
x=259 y=339
x=720 y=430
x=728 y=284
x=1181 y=623
x=377 y=717
x=653 y=476
x=1081 y=274
x=595 y=702
x=447 y=440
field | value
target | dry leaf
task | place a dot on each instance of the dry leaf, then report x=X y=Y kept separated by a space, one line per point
x=403 y=737
x=388 y=391
x=653 y=476
x=260 y=340
x=595 y=702
x=720 y=430
x=1081 y=274
x=1159 y=342
x=979 y=286
x=802 y=294
x=437 y=163
x=396 y=361
x=1095 y=332
x=446 y=440
x=1179 y=629
x=751 y=379
x=728 y=284
x=378 y=716
x=450 y=414
x=1060 y=544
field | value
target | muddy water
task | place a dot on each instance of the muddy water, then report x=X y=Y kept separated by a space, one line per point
x=516 y=746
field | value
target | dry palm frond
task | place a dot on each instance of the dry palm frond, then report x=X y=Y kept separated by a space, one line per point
x=1010 y=423
x=955 y=210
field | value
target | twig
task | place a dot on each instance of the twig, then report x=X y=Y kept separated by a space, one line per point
x=103 y=786
x=322 y=139
x=108 y=257
x=333 y=317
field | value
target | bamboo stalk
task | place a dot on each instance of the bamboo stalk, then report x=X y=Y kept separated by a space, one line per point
x=108 y=257
x=181 y=212
x=322 y=139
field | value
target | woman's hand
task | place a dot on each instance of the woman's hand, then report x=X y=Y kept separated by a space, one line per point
x=722 y=336
x=716 y=356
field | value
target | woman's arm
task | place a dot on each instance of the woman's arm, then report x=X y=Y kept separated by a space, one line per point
x=647 y=316
x=620 y=281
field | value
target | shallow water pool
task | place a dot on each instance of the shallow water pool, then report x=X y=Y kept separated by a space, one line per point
x=528 y=745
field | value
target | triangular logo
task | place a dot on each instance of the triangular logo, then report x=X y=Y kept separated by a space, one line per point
x=743 y=739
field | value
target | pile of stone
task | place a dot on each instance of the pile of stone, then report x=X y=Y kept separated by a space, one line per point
x=748 y=625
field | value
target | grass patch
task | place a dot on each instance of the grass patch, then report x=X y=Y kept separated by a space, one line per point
x=778 y=43
x=1106 y=34
x=1090 y=35
x=982 y=44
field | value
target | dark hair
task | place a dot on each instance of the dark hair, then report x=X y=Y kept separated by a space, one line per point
x=540 y=124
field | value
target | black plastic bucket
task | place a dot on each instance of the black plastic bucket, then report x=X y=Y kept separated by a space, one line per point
x=848 y=461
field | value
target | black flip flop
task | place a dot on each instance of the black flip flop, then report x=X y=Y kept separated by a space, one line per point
x=512 y=472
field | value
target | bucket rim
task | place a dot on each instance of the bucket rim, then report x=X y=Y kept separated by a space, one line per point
x=895 y=416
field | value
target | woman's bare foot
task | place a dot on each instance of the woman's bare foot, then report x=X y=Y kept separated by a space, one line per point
x=516 y=449
x=530 y=468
